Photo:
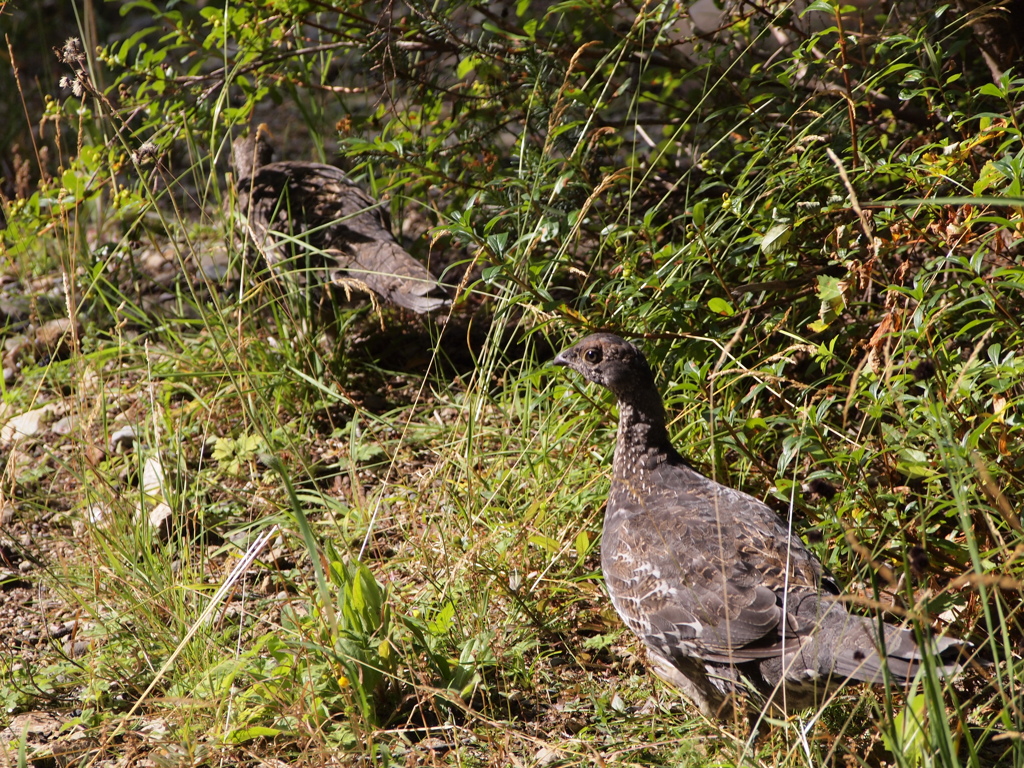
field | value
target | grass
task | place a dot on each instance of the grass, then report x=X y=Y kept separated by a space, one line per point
x=430 y=587
x=381 y=546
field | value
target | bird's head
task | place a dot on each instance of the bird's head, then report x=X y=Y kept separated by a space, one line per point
x=610 y=361
x=249 y=153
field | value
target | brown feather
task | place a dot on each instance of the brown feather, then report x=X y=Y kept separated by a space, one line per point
x=312 y=223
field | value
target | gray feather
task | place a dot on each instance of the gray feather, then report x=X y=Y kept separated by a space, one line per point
x=720 y=592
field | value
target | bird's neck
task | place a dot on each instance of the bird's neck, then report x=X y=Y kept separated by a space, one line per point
x=643 y=440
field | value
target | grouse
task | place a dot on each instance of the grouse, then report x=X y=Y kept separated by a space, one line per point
x=312 y=223
x=727 y=601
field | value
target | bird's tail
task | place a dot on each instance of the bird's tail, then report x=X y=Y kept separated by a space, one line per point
x=861 y=652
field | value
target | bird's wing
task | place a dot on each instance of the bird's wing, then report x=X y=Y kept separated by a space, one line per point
x=331 y=198
x=390 y=271
x=314 y=198
x=345 y=231
x=703 y=570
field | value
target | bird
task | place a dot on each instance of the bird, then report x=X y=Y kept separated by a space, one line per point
x=732 y=608
x=313 y=224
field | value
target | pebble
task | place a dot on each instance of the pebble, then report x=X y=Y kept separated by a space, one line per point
x=27 y=424
x=94 y=455
x=123 y=440
x=153 y=477
x=161 y=518
x=58 y=337
x=63 y=426
x=76 y=649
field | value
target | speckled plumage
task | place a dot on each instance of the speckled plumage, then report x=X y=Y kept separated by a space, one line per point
x=345 y=232
x=726 y=600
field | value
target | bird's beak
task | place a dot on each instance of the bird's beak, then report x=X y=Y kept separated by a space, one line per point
x=561 y=359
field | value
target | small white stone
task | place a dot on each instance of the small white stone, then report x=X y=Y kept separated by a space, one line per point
x=123 y=439
x=27 y=424
x=153 y=477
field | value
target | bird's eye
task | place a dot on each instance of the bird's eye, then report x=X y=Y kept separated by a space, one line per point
x=592 y=355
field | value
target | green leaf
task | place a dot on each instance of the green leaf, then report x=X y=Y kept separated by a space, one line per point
x=254 y=732
x=582 y=546
x=698 y=213
x=819 y=6
x=442 y=621
x=988 y=177
x=908 y=736
x=831 y=292
x=991 y=89
x=776 y=238
x=467 y=65
x=249 y=444
x=544 y=542
x=224 y=449
x=830 y=288
x=367 y=452
x=600 y=642
x=721 y=307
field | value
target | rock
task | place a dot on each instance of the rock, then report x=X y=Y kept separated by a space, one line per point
x=214 y=262
x=17 y=349
x=160 y=266
x=546 y=756
x=63 y=426
x=31 y=725
x=17 y=346
x=98 y=514
x=15 y=308
x=76 y=649
x=94 y=455
x=123 y=440
x=27 y=424
x=58 y=337
x=153 y=477
x=161 y=518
